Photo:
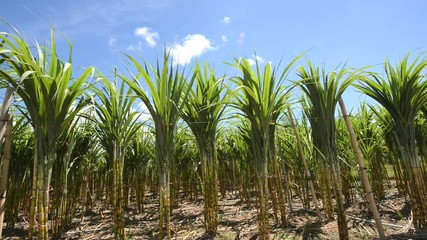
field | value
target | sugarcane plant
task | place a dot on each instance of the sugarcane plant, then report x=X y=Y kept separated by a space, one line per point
x=385 y=122
x=300 y=133
x=403 y=93
x=421 y=138
x=202 y=112
x=363 y=172
x=116 y=123
x=372 y=146
x=19 y=182
x=185 y=168
x=141 y=154
x=322 y=91
x=49 y=92
x=167 y=90
x=241 y=169
x=347 y=160
x=92 y=168
x=67 y=142
x=261 y=99
x=186 y=165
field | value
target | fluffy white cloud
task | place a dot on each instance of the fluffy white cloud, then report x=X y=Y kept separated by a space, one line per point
x=259 y=59
x=112 y=41
x=149 y=36
x=224 y=38
x=253 y=60
x=226 y=20
x=133 y=47
x=192 y=46
x=143 y=110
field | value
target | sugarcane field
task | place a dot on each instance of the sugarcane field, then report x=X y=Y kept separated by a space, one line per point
x=108 y=133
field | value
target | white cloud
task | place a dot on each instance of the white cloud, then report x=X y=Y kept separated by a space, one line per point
x=143 y=108
x=148 y=35
x=192 y=46
x=224 y=38
x=259 y=59
x=134 y=47
x=241 y=39
x=255 y=59
x=226 y=20
x=145 y=114
x=251 y=61
x=112 y=41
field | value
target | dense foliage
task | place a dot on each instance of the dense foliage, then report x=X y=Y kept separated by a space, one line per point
x=86 y=138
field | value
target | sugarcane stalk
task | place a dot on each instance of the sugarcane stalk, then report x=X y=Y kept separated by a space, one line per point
x=5 y=170
x=5 y=118
x=34 y=195
x=304 y=161
x=362 y=168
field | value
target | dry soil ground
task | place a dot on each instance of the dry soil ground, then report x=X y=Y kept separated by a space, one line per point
x=238 y=221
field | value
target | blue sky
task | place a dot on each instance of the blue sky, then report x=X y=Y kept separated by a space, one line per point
x=361 y=32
